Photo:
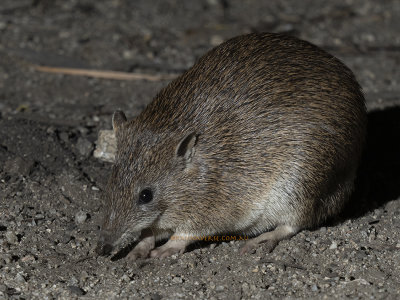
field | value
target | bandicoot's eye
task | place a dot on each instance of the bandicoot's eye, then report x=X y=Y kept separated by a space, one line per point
x=145 y=196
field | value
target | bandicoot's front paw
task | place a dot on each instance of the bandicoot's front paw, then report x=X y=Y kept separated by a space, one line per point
x=173 y=246
x=138 y=253
x=142 y=249
x=162 y=253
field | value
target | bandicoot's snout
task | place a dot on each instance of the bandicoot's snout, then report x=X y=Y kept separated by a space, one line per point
x=104 y=244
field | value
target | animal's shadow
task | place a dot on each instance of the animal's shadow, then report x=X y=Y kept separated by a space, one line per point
x=378 y=180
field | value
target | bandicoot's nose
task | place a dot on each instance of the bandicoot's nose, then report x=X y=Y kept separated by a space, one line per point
x=103 y=249
x=104 y=246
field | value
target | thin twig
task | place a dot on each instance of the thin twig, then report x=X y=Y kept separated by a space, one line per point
x=104 y=73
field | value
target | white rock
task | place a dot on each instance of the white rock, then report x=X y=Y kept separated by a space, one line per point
x=333 y=245
x=80 y=217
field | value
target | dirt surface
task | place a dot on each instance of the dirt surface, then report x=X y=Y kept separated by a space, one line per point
x=50 y=183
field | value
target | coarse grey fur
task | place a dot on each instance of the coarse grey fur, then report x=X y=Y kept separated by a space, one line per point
x=263 y=133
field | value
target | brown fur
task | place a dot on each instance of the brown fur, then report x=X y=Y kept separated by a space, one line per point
x=271 y=122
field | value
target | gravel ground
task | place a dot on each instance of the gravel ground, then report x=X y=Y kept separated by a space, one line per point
x=50 y=183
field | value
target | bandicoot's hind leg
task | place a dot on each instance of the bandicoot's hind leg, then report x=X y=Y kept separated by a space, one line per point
x=271 y=238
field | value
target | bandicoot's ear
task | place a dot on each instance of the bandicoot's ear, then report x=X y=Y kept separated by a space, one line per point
x=185 y=148
x=118 y=119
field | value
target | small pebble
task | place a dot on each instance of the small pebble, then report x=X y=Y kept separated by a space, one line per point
x=7 y=258
x=11 y=237
x=155 y=297
x=64 y=137
x=39 y=217
x=19 y=166
x=219 y=288
x=80 y=217
x=333 y=245
x=20 y=278
x=64 y=238
x=28 y=258
x=84 y=147
x=245 y=287
x=84 y=276
x=177 y=279
x=76 y=290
